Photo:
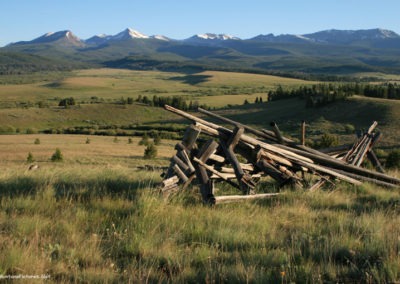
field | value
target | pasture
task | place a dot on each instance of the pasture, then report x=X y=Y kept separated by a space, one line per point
x=112 y=84
x=95 y=218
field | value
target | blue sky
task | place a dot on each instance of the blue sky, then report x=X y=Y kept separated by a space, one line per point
x=179 y=19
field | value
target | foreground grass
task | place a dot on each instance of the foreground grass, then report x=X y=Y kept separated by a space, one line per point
x=110 y=225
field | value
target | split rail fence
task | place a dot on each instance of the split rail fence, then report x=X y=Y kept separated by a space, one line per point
x=241 y=156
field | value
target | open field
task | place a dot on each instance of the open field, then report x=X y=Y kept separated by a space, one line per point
x=95 y=218
x=84 y=115
x=101 y=150
x=111 y=84
x=97 y=92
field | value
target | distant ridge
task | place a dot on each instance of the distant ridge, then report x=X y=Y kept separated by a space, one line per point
x=324 y=52
x=327 y=36
x=62 y=37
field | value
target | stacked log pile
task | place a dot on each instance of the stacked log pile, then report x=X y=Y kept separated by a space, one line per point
x=240 y=156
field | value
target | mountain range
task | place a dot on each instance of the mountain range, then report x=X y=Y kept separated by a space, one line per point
x=327 y=52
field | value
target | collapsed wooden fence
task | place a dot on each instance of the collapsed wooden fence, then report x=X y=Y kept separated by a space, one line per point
x=242 y=155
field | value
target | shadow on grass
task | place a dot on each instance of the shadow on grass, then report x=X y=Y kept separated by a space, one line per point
x=20 y=186
x=192 y=79
x=78 y=190
x=113 y=187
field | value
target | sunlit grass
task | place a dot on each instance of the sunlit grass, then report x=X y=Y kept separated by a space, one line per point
x=110 y=225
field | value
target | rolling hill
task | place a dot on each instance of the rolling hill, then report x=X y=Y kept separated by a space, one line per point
x=325 y=52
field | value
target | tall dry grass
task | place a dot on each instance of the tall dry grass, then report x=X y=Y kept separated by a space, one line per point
x=108 y=225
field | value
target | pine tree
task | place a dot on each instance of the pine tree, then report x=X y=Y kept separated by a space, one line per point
x=144 y=140
x=57 y=156
x=150 y=152
x=30 y=158
x=157 y=139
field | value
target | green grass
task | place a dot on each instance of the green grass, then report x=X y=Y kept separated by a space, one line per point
x=359 y=112
x=108 y=226
x=96 y=217
x=109 y=84
x=97 y=90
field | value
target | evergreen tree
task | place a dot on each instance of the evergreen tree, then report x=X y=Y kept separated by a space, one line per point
x=30 y=158
x=157 y=139
x=144 y=140
x=150 y=152
x=57 y=156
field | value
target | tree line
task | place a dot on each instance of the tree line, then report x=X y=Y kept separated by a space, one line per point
x=180 y=102
x=322 y=94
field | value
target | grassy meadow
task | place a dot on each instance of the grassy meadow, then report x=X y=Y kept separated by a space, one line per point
x=111 y=84
x=97 y=216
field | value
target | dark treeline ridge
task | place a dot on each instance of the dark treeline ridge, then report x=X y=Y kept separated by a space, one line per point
x=143 y=63
x=180 y=102
x=322 y=94
x=12 y=63
x=152 y=131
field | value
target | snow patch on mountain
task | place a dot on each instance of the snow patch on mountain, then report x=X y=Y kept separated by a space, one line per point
x=129 y=34
x=160 y=37
x=211 y=36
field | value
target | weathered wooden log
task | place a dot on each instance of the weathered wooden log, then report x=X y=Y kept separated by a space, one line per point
x=277 y=132
x=326 y=160
x=276 y=158
x=217 y=158
x=182 y=165
x=250 y=141
x=321 y=182
x=230 y=176
x=325 y=170
x=180 y=173
x=206 y=185
x=190 y=136
x=295 y=154
x=235 y=137
x=245 y=167
x=375 y=161
x=223 y=176
x=180 y=147
x=363 y=150
x=367 y=179
x=271 y=171
x=214 y=171
x=353 y=155
x=236 y=198
x=185 y=158
x=245 y=181
x=303 y=133
x=207 y=150
x=268 y=136
x=170 y=181
x=169 y=186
